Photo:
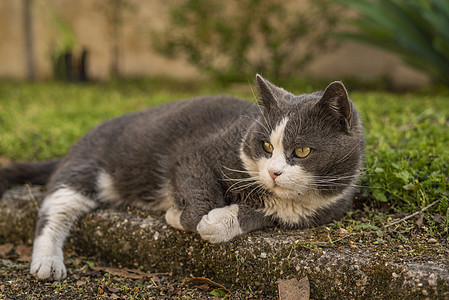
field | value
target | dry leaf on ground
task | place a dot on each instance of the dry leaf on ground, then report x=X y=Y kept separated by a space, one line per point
x=5 y=249
x=292 y=289
x=24 y=253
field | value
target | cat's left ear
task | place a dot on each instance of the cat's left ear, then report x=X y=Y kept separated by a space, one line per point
x=336 y=100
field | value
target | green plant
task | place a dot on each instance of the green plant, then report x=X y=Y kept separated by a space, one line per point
x=65 y=42
x=407 y=151
x=416 y=30
x=231 y=40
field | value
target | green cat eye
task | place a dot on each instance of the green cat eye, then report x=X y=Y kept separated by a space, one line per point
x=302 y=152
x=268 y=147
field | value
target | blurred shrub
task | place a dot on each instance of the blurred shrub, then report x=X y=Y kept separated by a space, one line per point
x=416 y=30
x=231 y=40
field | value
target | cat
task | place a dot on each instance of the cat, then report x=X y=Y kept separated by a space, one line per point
x=218 y=166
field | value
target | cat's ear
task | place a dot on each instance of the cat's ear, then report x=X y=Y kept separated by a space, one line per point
x=270 y=95
x=336 y=101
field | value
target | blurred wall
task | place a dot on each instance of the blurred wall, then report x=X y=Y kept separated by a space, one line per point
x=89 y=21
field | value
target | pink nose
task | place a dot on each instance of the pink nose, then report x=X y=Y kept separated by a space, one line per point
x=274 y=174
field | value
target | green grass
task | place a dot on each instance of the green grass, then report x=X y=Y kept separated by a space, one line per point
x=407 y=149
x=407 y=135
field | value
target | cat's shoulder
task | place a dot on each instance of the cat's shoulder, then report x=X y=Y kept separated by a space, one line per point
x=213 y=107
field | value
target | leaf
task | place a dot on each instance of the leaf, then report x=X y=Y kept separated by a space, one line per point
x=404 y=175
x=379 y=170
x=80 y=283
x=409 y=186
x=24 y=252
x=5 y=249
x=416 y=30
x=218 y=293
x=292 y=289
x=380 y=195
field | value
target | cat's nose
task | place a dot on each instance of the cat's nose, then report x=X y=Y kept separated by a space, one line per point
x=274 y=174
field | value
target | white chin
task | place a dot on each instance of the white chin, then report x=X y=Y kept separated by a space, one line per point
x=283 y=192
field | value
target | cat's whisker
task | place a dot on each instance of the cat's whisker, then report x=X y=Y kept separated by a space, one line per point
x=246 y=181
x=257 y=188
x=235 y=170
x=260 y=109
x=241 y=188
x=246 y=144
x=333 y=180
x=252 y=174
x=239 y=179
x=235 y=188
x=333 y=186
x=240 y=183
x=267 y=129
x=348 y=154
x=342 y=175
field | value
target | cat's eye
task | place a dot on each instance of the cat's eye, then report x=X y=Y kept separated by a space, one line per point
x=267 y=147
x=302 y=152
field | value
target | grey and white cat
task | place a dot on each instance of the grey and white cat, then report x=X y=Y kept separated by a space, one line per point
x=219 y=166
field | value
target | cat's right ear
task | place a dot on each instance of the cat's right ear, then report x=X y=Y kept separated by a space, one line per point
x=270 y=95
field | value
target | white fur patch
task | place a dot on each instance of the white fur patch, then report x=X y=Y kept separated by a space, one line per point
x=107 y=191
x=173 y=217
x=220 y=224
x=164 y=199
x=60 y=211
x=277 y=137
x=250 y=165
x=291 y=210
x=48 y=259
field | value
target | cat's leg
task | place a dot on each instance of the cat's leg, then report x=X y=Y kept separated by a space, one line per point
x=218 y=224
x=223 y=224
x=59 y=211
x=173 y=217
x=199 y=204
x=194 y=191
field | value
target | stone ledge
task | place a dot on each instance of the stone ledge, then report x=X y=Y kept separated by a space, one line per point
x=257 y=260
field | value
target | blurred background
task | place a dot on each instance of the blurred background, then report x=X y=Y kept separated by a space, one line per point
x=79 y=40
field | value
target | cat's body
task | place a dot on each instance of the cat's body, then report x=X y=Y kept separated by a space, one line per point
x=219 y=166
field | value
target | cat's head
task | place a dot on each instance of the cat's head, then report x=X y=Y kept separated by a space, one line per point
x=304 y=147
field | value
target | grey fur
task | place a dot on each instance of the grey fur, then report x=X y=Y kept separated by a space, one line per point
x=197 y=156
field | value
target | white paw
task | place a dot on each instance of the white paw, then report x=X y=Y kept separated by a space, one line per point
x=173 y=217
x=220 y=224
x=48 y=267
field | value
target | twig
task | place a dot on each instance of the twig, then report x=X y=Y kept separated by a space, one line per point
x=413 y=214
x=342 y=238
x=33 y=199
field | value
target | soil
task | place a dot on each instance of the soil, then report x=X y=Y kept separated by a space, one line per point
x=89 y=279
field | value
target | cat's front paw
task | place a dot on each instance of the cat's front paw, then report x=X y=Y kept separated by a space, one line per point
x=220 y=224
x=48 y=267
